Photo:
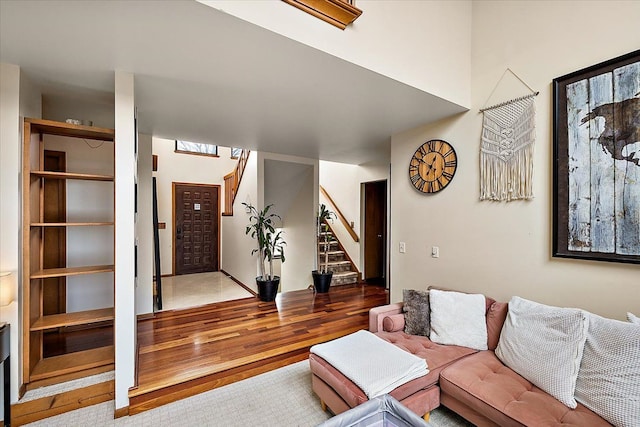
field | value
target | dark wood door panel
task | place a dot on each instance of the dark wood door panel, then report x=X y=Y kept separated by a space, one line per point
x=196 y=235
x=375 y=229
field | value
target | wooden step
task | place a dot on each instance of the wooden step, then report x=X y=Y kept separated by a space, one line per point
x=71 y=319
x=72 y=362
x=57 y=403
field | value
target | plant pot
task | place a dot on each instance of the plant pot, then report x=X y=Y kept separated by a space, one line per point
x=322 y=281
x=268 y=289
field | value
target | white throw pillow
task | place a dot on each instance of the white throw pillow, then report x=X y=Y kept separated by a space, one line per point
x=544 y=344
x=609 y=377
x=458 y=319
x=633 y=318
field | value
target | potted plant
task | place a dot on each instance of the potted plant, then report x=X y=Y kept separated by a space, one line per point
x=322 y=276
x=270 y=244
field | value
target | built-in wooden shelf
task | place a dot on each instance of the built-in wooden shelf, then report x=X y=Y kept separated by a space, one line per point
x=69 y=224
x=71 y=175
x=71 y=271
x=72 y=362
x=51 y=127
x=72 y=319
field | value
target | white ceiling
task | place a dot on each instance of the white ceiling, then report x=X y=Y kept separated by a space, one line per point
x=206 y=76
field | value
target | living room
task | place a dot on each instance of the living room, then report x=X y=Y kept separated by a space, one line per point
x=499 y=249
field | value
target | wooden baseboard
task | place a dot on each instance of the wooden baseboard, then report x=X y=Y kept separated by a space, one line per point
x=49 y=406
x=248 y=289
x=121 y=412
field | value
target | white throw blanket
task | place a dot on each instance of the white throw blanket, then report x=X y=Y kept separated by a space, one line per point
x=373 y=364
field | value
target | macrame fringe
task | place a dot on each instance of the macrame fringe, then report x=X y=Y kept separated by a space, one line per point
x=506 y=153
x=507 y=181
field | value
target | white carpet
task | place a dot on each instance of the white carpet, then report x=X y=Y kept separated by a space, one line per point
x=279 y=398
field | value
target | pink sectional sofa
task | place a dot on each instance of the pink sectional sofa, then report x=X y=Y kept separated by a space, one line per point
x=474 y=384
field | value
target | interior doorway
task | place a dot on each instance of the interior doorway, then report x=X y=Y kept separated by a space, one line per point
x=375 y=232
x=196 y=222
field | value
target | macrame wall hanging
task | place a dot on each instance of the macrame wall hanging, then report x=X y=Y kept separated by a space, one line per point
x=506 y=148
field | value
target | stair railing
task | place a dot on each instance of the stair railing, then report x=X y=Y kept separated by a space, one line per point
x=341 y=217
x=232 y=182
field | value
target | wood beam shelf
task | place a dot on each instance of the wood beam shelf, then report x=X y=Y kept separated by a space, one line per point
x=339 y=13
x=73 y=319
x=72 y=362
x=70 y=175
x=70 y=224
x=71 y=271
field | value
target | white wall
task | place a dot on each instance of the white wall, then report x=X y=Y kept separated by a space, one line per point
x=236 y=246
x=125 y=171
x=497 y=248
x=144 y=227
x=343 y=183
x=425 y=44
x=185 y=168
x=289 y=186
x=88 y=201
x=19 y=98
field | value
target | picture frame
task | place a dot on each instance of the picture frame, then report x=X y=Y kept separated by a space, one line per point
x=596 y=162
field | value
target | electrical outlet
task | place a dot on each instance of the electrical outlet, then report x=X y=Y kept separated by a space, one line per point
x=403 y=247
x=435 y=252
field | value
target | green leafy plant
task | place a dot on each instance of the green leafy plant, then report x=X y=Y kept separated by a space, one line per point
x=324 y=216
x=270 y=243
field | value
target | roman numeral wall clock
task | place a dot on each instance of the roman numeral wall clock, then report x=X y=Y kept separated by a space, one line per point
x=433 y=166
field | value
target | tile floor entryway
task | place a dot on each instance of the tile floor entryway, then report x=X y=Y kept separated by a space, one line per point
x=192 y=290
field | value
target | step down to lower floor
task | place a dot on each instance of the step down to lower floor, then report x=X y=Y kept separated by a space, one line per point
x=45 y=402
x=344 y=278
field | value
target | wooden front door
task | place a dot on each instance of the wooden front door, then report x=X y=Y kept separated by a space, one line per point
x=375 y=231
x=54 y=289
x=196 y=226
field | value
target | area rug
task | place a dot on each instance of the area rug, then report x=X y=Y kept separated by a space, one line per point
x=279 y=398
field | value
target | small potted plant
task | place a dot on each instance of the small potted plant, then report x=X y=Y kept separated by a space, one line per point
x=270 y=244
x=322 y=276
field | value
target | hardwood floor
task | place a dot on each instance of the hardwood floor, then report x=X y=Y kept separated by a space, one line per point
x=182 y=353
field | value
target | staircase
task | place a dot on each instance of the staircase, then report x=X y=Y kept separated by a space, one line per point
x=344 y=271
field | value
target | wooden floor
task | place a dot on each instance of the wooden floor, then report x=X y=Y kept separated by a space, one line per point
x=186 y=352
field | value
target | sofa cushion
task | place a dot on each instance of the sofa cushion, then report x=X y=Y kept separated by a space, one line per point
x=609 y=377
x=416 y=310
x=496 y=314
x=544 y=344
x=393 y=323
x=458 y=319
x=485 y=385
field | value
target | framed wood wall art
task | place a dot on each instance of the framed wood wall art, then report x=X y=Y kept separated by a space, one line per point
x=596 y=197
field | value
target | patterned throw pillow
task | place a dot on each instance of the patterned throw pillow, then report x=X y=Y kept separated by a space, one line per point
x=544 y=344
x=416 y=312
x=633 y=318
x=458 y=319
x=609 y=377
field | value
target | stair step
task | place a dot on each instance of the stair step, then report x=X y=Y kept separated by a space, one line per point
x=333 y=256
x=344 y=278
x=337 y=266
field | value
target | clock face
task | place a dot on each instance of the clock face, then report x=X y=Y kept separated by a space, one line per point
x=432 y=166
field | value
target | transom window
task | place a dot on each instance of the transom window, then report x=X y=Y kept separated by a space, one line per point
x=235 y=152
x=198 y=148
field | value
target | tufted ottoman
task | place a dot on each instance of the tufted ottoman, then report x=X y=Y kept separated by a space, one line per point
x=481 y=384
x=421 y=395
